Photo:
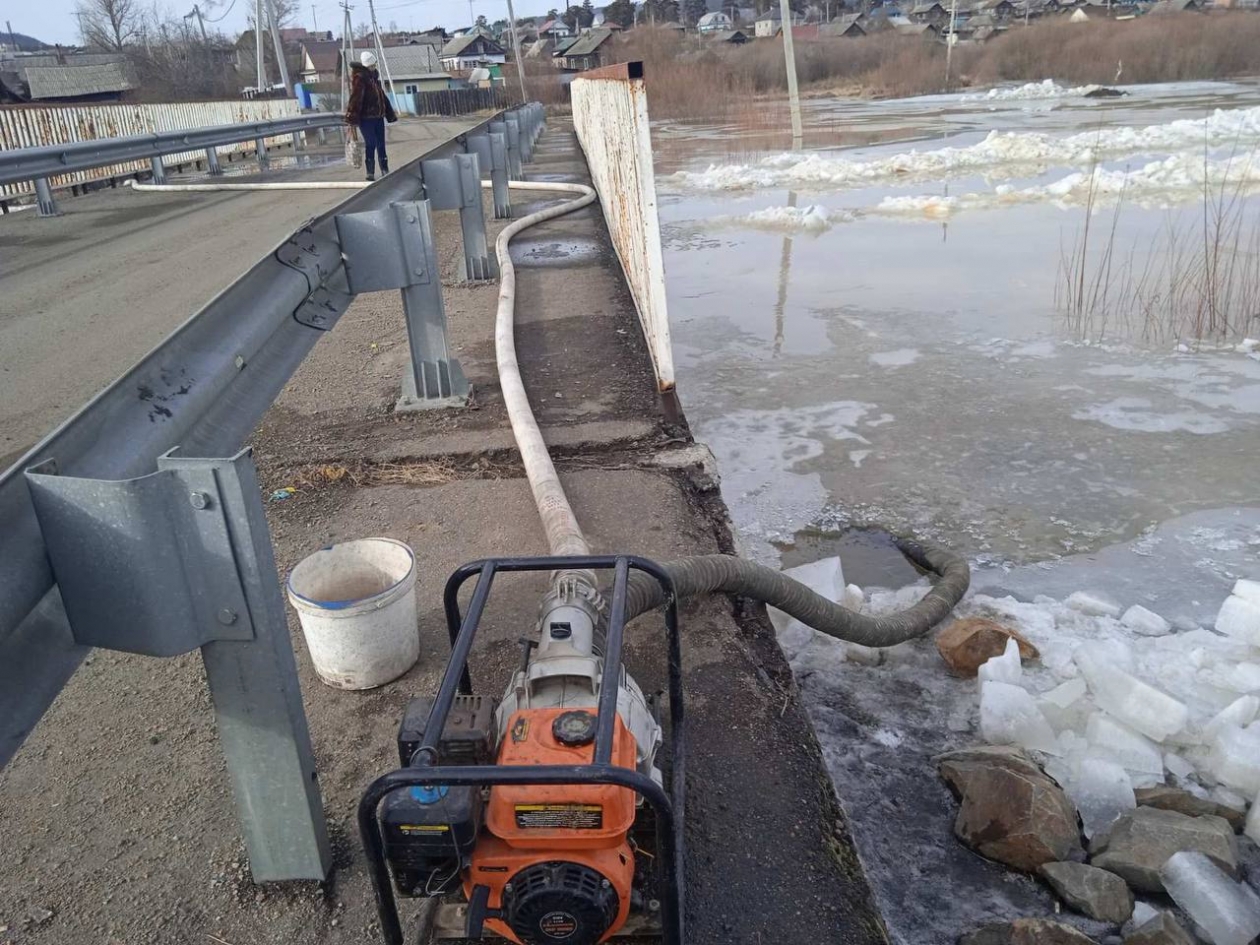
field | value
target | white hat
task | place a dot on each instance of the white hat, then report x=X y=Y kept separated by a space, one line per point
x=368 y=59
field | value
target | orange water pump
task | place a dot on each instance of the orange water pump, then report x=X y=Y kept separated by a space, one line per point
x=541 y=818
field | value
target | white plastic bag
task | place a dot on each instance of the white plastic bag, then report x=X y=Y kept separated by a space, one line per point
x=354 y=150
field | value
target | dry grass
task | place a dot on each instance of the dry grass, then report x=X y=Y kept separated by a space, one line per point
x=431 y=473
x=689 y=79
x=1197 y=281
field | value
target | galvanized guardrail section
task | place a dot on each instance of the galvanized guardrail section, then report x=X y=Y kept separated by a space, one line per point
x=38 y=126
x=43 y=165
x=138 y=524
x=611 y=119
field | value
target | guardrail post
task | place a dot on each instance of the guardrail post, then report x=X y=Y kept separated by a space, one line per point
x=299 y=142
x=454 y=183
x=499 y=177
x=178 y=560
x=515 y=171
x=44 y=197
x=159 y=170
x=260 y=150
x=394 y=249
x=212 y=161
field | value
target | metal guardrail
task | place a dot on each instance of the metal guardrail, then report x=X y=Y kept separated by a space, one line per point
x=138 y=525
x=42 y=164
x=611 y=119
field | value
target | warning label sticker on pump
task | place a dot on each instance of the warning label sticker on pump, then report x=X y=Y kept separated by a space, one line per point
x=423 y=828
x=553 y=816
x=557 y=924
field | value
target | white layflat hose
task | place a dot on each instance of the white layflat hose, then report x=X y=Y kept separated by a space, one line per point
x=277 y=185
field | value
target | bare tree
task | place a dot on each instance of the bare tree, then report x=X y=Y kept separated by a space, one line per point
x=109 y=24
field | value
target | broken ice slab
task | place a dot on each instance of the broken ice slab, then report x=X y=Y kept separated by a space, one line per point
x=1227 y=798
x=1240 y=619
x=1228 y=911
x=852 y=598
x=1102 y=792
x=1009 y=716
x=1066 y=707
x=825 y=577
x=1235 y=757
x=1115 y=741
x=1178 y=767
x=1092 y=605
x=1247 y=590
x=1244 y=677
x=1252 y=828
x=1142 y=913
x=1155 y=714
x=1148 y=623
x=1004 y=668
x=1241 y=713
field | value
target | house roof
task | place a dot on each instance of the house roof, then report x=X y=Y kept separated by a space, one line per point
x=71 y=81
x=711 y=18
x=412 y=61
x=588 y=42
x=459 y=44
x=914 y=29
x=538 y=49
x=323 y=55
x=727 y=36
x=563 y=44
x=842 y=24
x=921 y=8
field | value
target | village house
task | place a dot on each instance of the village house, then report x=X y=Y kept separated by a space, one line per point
x=415 y=69
x=734 y=37
x=717 y=22
x=933 y=13
x=848 y=26
x=770 y=23
x=588 y=51
x=469 y=52
x=66 y=77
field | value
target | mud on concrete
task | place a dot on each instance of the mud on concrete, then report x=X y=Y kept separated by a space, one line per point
x=118 y=822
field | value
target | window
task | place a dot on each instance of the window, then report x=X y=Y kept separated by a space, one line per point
x=411 y=89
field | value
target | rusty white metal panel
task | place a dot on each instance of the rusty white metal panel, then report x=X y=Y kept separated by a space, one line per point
x=32 y=126
x=611 y=118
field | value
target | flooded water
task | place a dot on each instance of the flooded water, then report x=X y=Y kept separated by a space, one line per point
x=974 y=317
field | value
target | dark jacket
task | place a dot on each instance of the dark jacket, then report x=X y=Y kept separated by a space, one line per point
x=367 y=97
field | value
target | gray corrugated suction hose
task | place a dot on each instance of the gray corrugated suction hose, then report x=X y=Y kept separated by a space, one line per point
x=708 y=574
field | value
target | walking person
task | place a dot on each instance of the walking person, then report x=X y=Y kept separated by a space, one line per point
x=368 y=110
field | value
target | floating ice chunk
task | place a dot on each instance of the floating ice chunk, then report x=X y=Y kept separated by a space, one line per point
x=1227 y=798
x=1153 y=713
x=1105 y=652
x=1004 y=668
x=1009 y=716
x=1235 y=757
x=1101 y=791
x=1252 y=829
x=1247 y=590
x=824 y=577
x=1241 y=713
x=1228 y=911
x=1142 y=913
x=1240 y=619
x=1177 y=766
x=1092 y=605
x=1148 y=623
x=852 y=598
x=1244 y=677
x=1115 y=741
x=1066 y=706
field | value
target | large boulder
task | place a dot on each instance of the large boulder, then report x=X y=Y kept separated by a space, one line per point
x=1142 y=840
x=1183 y=802
x=1026 y=932
x=1161 y=930
x=1010 y=811
x=1090 y=891
x=965 y=645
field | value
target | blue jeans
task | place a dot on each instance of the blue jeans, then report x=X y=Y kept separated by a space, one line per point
x=373 y=131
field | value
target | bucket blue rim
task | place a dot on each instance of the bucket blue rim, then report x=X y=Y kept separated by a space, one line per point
x=354 y=601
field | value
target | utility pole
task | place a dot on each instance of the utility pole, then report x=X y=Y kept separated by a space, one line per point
x=347 y=50
x=516 y=51
x=196 y=11
x=789 y=56
x=380 y=50
x=279 y=47
x=950 y=39
x=261 y=81
x=12 y=39
x=314 y=19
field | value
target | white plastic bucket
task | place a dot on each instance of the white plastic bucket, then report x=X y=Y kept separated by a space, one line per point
x=357 y=604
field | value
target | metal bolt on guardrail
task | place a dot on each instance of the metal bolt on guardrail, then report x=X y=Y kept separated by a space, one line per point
x=196 y=569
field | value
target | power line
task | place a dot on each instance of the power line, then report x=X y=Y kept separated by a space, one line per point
x=223 y=15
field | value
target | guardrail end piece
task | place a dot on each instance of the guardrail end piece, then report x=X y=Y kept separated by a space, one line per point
x=44 y=197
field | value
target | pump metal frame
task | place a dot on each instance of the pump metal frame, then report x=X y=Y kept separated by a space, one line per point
x=426 y=769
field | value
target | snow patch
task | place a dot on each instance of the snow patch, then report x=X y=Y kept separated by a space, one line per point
x=1032 y=91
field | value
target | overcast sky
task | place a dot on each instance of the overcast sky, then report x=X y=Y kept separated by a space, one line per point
x=53 y=21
